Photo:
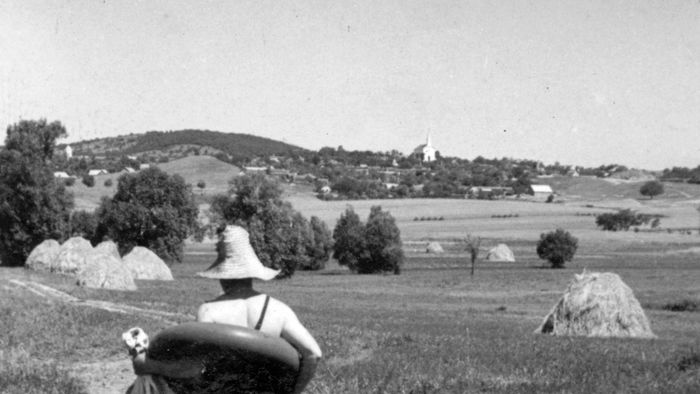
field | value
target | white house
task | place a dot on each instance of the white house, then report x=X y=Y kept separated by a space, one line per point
x=541 y=191
x=98 y=172
x=426 y=151
x=61 y=174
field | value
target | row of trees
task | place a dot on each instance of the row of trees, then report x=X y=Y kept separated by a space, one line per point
x=157 y=210
x=150 y=209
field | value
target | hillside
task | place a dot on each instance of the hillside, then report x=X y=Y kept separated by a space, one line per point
x=215 y=174
x=596 y=189
x=235 y=146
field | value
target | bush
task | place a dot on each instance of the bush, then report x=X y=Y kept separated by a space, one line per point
x=89 y=180
x=108 y=182
x=33 y=206
x=622 y=220
x=374 y=247
x=557 y=247
x=150 y=209
x=201 y=184
x=69 y=181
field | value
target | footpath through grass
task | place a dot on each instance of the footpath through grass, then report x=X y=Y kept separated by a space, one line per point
x=432 y=329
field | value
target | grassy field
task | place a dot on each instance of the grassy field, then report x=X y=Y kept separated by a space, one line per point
x=432 y=329
x=215 y=174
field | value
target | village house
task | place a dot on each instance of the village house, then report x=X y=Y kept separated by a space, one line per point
x=98 y=171
x=540 y=192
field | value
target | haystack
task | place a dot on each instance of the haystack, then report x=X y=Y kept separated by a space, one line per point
x=434 y=247
x=105 y=271
x=71 y=256
x=500 y=252
x=43 y=255
x=144 y=264
x=597 y=305
x=108 y=247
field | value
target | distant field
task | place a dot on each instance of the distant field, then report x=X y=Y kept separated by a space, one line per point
x=583 y=197
x=477 y=217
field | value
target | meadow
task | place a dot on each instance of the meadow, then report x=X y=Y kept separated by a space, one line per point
x=432 y=329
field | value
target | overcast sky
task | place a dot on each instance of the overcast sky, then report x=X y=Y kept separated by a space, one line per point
x=579 y=82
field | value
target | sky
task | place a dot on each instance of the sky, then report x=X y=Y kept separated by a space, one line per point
x=574 y=81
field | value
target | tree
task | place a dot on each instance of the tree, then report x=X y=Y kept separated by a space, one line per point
x=83 y=224
x=383 y=240
x=557 y=247
x=89 y=180
x=651 y=189
x=279 y=235
x=349 y=246
x=472 y=245
x=374 y=247
x=33 y=205
x=150 y=209
x=320 y=245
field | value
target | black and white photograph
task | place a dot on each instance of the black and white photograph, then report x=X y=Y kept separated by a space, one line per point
x=349 y=196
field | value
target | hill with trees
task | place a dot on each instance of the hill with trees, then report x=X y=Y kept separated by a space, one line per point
x=154 y=145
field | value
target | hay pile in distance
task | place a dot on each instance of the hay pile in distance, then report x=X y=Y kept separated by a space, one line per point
x=597 y=305
x=434 y=247
x=100 y=267
x=501 y=252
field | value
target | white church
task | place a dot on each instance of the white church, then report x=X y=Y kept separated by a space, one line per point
x=426 y=151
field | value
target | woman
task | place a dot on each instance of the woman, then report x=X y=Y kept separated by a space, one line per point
x=241 y=305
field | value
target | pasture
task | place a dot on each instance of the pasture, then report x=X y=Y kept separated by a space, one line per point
x=432 y=329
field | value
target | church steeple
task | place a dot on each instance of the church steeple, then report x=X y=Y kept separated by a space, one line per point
x=428 y=141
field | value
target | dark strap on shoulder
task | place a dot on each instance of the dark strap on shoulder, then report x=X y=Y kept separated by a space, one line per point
x=262 y=314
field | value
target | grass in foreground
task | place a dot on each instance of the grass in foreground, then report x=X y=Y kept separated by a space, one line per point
x=432 y=329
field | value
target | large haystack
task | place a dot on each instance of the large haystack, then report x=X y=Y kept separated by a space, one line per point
x=108 y=247
x=434 y=247
x=144 y=264
x=500 y=252
x=105 y=271
x=597 y=305
x=71 y=256
x=43 y=255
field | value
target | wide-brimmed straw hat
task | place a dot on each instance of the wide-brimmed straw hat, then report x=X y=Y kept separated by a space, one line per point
x=237 y=259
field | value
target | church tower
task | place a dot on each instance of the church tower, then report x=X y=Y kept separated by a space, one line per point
x=426 y=151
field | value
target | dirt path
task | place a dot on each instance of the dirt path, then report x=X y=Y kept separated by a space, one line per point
x=50 y=292
x=108 y=376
